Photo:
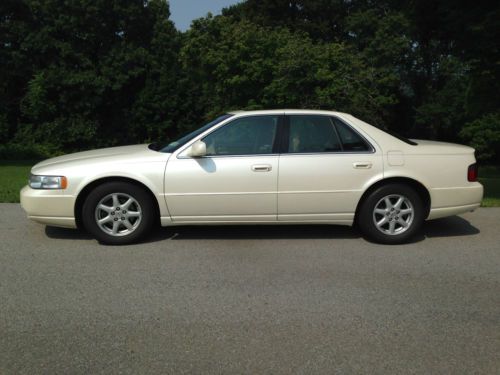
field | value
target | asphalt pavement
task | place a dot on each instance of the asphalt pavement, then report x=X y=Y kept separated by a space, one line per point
x=254 y=300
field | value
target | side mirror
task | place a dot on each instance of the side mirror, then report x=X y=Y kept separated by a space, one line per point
x=198 y=149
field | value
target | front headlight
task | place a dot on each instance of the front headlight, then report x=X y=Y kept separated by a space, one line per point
x=48 y=182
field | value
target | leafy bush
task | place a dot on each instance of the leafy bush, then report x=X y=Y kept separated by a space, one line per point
x=484 y=135
x=86 y=74
x=19 y=151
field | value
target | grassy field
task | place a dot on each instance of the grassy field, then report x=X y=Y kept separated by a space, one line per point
x=14 y=175
x=489 y=176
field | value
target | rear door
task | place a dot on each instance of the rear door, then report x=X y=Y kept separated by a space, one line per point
x=323 y=169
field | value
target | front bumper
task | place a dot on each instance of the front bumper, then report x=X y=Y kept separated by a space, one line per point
x=50 y=207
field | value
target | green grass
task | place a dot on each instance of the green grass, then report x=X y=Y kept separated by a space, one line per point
x=489 y=176
x=14 y=175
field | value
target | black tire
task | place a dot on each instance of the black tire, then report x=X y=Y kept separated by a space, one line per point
x=366 y=217
x=143 y=204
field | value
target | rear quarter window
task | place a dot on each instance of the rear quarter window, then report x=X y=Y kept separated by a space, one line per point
x=350 y=139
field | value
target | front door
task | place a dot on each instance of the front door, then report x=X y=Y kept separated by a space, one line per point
x=237 y=179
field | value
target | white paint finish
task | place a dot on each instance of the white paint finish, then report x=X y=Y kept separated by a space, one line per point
x=437 y=213
x=255 y=220
x=209 y=219
x=444 y=176
x=63 y=222
x=323 y=184
x=395 y=158
x=221 y=186
x=311 y=188
x=43 y=202
x=457 y=196
x=338 y=218
x=439 y=171
x=137 y=162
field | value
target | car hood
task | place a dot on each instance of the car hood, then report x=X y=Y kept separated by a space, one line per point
x=434 y=147
x=112 y=154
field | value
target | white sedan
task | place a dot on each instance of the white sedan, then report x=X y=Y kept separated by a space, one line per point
x=259 y=167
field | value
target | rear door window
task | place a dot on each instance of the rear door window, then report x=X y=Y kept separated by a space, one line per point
x=312 y=134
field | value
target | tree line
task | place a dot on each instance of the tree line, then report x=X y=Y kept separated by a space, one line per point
x=81 y=74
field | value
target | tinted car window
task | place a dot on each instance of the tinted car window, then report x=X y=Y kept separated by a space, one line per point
x=312 y=134
x=171 y=147
x=351 y=141
x=244 y=136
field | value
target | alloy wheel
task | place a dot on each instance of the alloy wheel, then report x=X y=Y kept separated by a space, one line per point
x=393 y=214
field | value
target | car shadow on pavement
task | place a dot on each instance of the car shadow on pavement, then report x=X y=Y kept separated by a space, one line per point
x=262 y=232
x=222 y=232
x=66 y=233
x=447 y=227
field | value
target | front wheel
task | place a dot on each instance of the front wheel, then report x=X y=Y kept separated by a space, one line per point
x=391 y=214
x=118 y=213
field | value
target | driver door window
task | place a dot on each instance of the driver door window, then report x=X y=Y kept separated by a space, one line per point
x=245 y=136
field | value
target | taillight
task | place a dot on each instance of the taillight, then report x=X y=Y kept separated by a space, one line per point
x=472 y=172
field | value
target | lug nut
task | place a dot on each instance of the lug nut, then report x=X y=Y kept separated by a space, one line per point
x=115 y=219
x=124 y=212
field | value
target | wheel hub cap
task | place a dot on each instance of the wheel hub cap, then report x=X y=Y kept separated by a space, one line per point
x=118 y=214
x=393 y=214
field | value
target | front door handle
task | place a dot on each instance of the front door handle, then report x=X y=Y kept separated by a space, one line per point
x=362 y=165
x=261 y=168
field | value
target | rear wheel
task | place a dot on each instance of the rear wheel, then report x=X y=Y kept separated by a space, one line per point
x=118 y=213
x=391 y=214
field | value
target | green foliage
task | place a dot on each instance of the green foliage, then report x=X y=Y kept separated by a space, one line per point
x=22 y=151
x=241 y=65
x=93 y=73
x=91 y=70
x=484 y=135
x=321 y=19
x=442 y=112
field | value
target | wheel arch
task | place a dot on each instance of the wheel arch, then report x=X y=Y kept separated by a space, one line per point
x=420 y=188
x=83 y=194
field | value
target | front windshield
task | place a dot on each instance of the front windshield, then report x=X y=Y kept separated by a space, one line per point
x=171 y=147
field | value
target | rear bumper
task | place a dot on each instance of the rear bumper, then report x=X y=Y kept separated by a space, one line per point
x=437 y=213
x=454 y=201
x=50 y=207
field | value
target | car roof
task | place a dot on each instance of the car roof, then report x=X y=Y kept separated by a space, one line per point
x=287 y=111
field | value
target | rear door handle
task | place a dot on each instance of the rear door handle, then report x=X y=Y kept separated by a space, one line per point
x=362 y=165
x=261 y=168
